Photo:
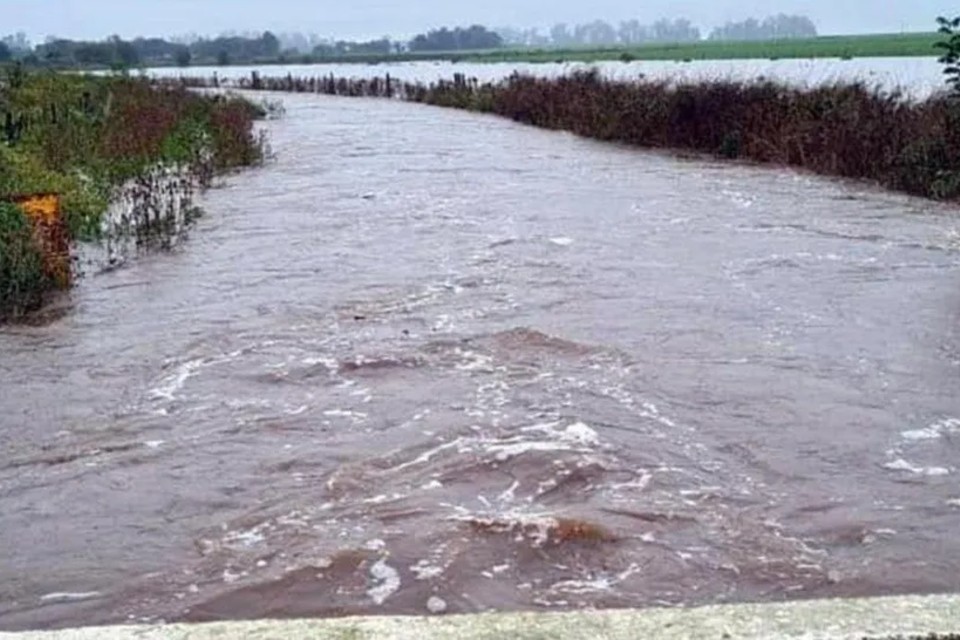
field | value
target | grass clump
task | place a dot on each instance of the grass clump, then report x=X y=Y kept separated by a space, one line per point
x=22 y=278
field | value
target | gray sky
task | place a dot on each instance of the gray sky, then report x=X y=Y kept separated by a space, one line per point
x=402 y=18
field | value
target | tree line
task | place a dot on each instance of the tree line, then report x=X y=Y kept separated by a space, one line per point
x=633 y=32
x=114 y=52
x=267 y=47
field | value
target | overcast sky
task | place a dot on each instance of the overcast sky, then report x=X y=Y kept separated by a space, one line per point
x=402 y=18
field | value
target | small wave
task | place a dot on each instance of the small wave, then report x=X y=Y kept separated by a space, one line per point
x=900 y=464
x=367 y=365
x=70 y=597
x=169 y=385
x=935 y=431
x=540 y=529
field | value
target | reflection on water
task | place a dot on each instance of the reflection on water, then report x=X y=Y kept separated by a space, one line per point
x=429 y=361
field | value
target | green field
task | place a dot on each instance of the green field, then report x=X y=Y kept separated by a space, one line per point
x=869 y=46
x=866 y=46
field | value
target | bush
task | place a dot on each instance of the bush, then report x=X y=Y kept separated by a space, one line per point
x=22 y=280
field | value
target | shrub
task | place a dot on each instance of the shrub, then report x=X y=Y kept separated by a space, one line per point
x=22 y=280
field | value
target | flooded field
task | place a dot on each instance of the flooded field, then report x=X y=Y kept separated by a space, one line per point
x=917 y=77
x=428 y=361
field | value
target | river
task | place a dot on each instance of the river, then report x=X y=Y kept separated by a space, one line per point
x=427 y=360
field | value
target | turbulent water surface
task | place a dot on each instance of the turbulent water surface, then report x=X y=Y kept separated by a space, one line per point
x=431 y=361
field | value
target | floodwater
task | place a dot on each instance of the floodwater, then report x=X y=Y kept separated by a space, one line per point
x=916 y=77
x=433 y=361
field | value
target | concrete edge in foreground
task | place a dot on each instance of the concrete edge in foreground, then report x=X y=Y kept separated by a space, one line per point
x=853 y=619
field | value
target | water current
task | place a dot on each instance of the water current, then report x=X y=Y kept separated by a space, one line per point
x=432 y=361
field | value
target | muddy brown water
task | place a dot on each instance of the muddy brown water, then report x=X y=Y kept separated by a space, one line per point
x=429 y=360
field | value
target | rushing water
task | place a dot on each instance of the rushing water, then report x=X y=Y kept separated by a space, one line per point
x=917 y=77
x=429 y=360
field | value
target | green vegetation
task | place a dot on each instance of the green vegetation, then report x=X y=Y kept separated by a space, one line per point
x=879 y=45
x=950 y=46
x=22 y=278
x=89 y=138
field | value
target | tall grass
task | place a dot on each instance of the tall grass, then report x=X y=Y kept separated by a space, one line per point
x=22 y=278
x=98 y=140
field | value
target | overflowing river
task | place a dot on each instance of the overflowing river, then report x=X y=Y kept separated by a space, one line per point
x=432 y=361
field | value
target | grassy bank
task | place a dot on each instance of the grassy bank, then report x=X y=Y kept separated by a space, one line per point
x=845 y=130
x=87 y=139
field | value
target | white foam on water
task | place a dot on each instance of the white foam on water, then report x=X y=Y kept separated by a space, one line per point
x=436 y=605
x=154 y=444
x=504 y=452
x=561 y=241
x=169 y=385
x=935 y=431
x=384 y=499
x=532 y=526
x=915 y=438
x=639 y=484
x=428 y=455
x=70 y=597
x=355 y=416
x=297 y=411
x=423 y=570
x=229 y=577
x=375 y=545
x=738 y=198
x=388 y=579
x=247 y=538
x=509 y=495
x=597 y=584
x=473 y=361
x=577 y=437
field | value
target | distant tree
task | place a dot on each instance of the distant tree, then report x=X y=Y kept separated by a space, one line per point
x=270 y=45
x=92 y=54
x=595 y=33
x=511 y=36
x=124 y=53
x=6 y=54
x=632 y=32
x=18 y=44
x=382 y=47
x=779 y=27
x=950 y=59
x=459 y=39
x=680 y=30
x=56 y=51
x=183 y=57
x=223 y=58
x=560 y=35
